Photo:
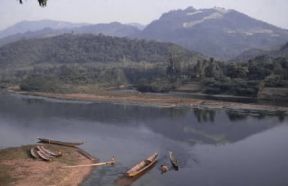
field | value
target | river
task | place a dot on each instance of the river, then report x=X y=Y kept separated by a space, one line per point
x=214 y=147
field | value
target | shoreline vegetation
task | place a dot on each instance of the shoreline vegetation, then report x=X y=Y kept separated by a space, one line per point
x=17 y=167
x=159 y=100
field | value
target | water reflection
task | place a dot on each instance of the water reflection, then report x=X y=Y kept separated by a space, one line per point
x=204 y=115
x=234 y=115
x=213 y=147
x=198 y=126
x=124 y=180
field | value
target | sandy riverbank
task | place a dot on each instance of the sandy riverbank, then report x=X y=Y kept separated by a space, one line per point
x=18 y=168
x=160 y=100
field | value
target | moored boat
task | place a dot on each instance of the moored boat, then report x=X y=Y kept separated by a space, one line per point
x=173 y=161
x=43 y=156
x=49 y=141
x=39 y=148
x=142 y=166
x=49 y=152
x=33 y=153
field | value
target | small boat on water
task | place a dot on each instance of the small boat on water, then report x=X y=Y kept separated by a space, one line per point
x=173 y=161
x=142 y=166
x=49 y=141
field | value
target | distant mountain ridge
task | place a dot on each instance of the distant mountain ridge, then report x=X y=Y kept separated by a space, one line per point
x=215 y=32
x=54 y=28
x=31 y=26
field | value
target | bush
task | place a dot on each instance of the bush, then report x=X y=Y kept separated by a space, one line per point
x=238 y=87
x=156 y=86
x=41 y=84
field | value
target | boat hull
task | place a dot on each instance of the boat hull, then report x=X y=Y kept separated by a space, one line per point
x=142 y=166
x=43 y=140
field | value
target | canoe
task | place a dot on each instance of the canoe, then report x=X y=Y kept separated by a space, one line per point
x=49 y=152
x=142 y=166
x=43 y=140
x=173 y=161
x=39 y=148
x=86 y=154
x=43 y=156
x=33 y=152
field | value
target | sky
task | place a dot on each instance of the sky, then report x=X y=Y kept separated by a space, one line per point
x=130 y=11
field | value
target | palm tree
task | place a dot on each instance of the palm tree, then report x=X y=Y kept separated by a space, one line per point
x=41 y=2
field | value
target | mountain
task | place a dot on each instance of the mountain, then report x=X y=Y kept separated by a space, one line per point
x=110 y=29
x=85 y=48
x=31 y=26
x=216 y=32
x=137 y=25
x=283 y=52
x=249 y=54
x=46 y=32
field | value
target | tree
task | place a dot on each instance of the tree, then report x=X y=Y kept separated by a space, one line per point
x=42 y=3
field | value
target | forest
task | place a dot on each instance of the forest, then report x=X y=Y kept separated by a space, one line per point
x=64 y=62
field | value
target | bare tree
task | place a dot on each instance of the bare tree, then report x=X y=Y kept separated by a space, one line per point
x=42 y=3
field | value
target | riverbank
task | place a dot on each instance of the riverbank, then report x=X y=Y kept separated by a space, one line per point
x=18 y=168
x=160 y=101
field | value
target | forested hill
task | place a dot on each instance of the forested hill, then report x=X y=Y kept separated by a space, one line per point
x=70 y=48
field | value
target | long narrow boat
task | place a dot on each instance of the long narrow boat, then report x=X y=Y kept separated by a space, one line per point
x=173 y=161
x=39 y=148
x=43 y=140
x=43 y=156
x=142 y=166
x=43 y=149
x=86 y=154
x=33 y=152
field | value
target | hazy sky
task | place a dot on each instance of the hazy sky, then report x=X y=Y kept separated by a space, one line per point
x=127 y=11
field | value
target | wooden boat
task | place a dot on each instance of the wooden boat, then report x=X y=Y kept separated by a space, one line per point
x=173 y=161
x=43 y=149
x=142 y=166
x=86 y=154
x=43 y=140
x=33 y=153
x=43 y=156
x=39 y=148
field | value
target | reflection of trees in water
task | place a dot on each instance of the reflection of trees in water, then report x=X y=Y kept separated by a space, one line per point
x=235 y=115
x=128 y=181
x=281 y=116
x=204 y=115
x=175 y=113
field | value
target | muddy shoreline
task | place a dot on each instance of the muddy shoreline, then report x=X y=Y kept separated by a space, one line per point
x=159 y=101
x=21 y=169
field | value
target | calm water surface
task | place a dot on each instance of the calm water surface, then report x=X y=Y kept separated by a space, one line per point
x=214 y=147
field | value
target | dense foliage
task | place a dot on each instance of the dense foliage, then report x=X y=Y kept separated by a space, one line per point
x=54 y=64
x=80 y=49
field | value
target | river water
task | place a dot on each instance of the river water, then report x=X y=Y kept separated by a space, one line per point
x=214 y=147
